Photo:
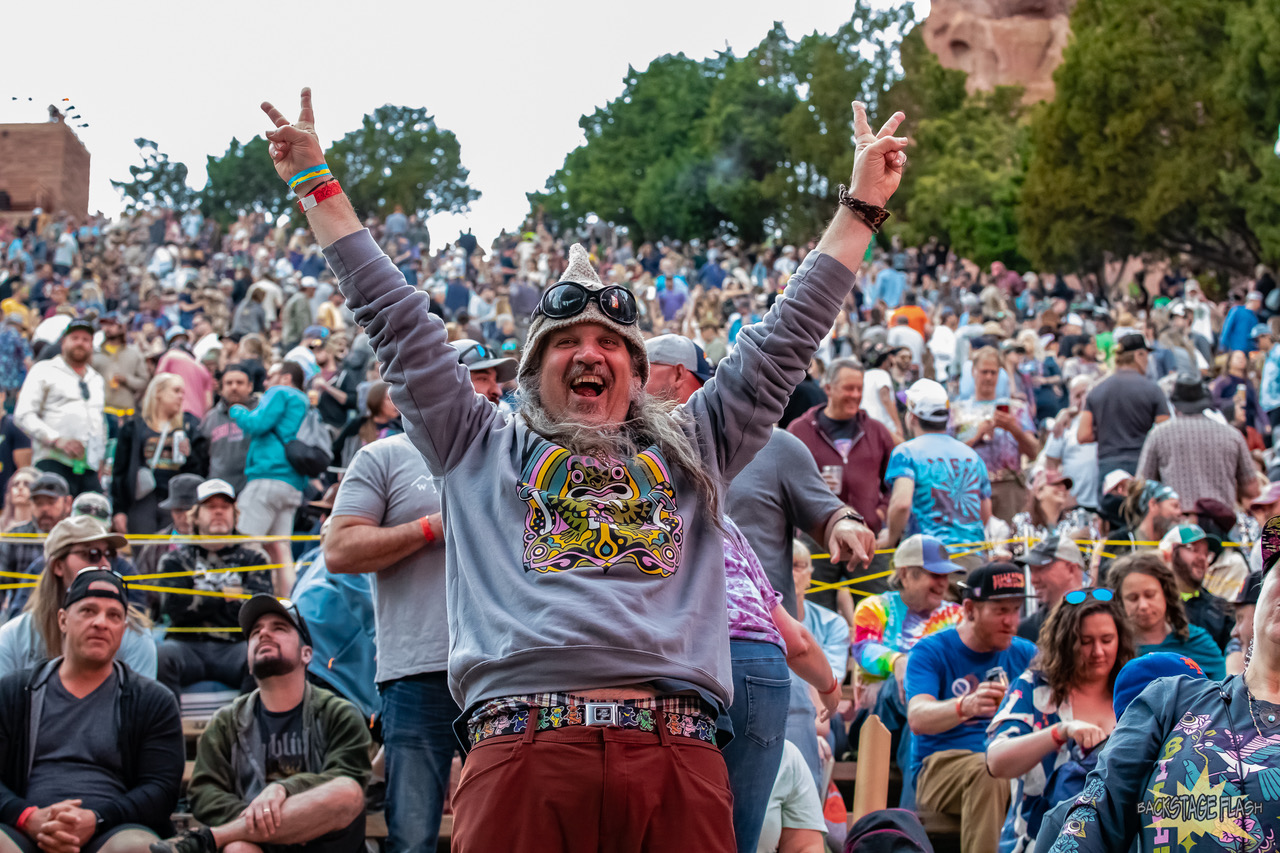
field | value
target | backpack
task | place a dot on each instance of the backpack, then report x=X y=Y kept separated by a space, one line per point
x=310 y=452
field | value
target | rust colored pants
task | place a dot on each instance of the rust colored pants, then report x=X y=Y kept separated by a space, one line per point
x=580 y=789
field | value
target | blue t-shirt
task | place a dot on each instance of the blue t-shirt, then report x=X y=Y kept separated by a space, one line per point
x=950 y=484
x=943 y=667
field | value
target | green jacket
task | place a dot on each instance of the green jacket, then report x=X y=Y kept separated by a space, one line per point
x=230 y=763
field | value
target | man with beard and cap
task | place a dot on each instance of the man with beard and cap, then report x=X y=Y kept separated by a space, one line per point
x=1157 y=510
x=488 y=369
x=1189 y=550
x=220 y=439
x=1198 y=456
x=50 y=503
x=60 y=408
x=583 y=544
x=123 y=366
x=283 y=767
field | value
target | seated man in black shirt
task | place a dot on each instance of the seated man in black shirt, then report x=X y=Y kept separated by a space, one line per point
x=91 y=753
x=284 y=767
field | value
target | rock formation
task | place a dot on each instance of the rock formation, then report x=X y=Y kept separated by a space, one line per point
x=1001 y=42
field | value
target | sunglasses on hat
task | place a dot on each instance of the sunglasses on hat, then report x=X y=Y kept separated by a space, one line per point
x=476 y=353
x=568 y=299
x=1077 y=596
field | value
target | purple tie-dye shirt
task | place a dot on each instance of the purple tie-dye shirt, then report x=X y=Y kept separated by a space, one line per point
x=751 y=598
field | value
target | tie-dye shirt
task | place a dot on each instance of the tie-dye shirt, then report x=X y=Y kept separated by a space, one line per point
x=883 y=627
x=750 y=596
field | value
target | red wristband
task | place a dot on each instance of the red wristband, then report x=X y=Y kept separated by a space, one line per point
x=427 y=533
x=1057 y=738
x=21 y=823
x=834 y=687
x=326 y=190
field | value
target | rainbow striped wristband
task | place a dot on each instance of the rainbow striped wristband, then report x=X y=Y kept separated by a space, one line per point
x=311 y=173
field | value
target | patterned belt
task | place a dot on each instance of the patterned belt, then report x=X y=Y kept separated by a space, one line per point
x=595 y=714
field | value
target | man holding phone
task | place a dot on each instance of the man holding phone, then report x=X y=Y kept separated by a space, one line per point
x=956 y=679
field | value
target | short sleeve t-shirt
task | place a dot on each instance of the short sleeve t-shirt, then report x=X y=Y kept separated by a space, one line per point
x=1124 y=408
x=750 y=596
x=950 y=484
x=388 y=483
x=793 y=802
x=282 y=743
x=872 y=382
x=943 y=667
x=11 y=439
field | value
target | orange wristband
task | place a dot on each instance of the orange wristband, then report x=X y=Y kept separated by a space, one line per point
x=427 y=533
x=21 y=823
x=960 y=713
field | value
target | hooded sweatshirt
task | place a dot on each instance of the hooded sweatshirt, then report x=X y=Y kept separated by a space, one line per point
x=563 y=572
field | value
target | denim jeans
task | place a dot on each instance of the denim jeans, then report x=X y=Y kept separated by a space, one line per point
x=417 y=730
x=761 y=695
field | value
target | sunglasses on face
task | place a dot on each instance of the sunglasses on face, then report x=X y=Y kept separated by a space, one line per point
x=95 y=555
x=568 y=299
x=1077 y=596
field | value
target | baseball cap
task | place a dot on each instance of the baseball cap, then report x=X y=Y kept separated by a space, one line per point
x=96 y=583
x=926 y=552
x=1188 y=534
x=1054 y=547
x=1050 y=477
x=474 y=355
x=677 y=349
x=182 y=492
x=1073 y=320
x=262 y=604
x=927 y=400
x=213 y=488
x=1134 y=676
x=79 y=324
x=1270 y=546
x=315 y=332
x=1132 y=343
x=175 y=332
x=93 y=505
x=50 y=485
x=995 y=581
x=77 y=530
x=1251 y=591
x=308 y=281
x=1269 y=495
x=1259 y=331
x=1115 y=478
x=1178 y=309
x=1253 y=296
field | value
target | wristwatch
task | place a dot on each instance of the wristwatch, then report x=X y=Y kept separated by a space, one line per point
x=853 y=515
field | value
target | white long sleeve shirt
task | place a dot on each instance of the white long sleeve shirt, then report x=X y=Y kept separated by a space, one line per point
x=52 y=405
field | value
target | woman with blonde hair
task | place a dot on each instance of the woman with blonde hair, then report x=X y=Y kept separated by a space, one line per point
x=17 y=499
x=152 y=447
x=74 y=544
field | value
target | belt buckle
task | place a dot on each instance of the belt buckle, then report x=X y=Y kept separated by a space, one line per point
x=604 y=714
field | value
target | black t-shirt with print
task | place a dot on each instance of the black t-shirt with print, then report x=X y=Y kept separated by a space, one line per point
x=282 y=742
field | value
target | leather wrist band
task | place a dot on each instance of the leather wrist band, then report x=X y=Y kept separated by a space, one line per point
x=871 y=215
x=427 y=533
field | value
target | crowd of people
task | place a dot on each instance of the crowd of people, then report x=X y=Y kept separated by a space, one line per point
x=614 y=524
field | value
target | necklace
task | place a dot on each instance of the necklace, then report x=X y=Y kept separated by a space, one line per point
x=1271 y=718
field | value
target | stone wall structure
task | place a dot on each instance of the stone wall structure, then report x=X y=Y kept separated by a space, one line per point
x=44 y=165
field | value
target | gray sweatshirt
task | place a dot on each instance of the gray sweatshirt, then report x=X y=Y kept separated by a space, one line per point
x=551 y=588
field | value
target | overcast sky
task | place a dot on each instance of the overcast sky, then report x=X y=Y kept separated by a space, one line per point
x=509 y=78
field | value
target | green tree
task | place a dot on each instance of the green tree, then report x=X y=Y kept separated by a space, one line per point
x=243 y=179
x=400 y=156
x=158 y=182
x=1131 y=155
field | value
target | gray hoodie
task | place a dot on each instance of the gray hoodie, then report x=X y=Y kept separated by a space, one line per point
x=551 y=587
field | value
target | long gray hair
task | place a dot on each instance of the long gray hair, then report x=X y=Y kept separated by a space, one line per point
x=650 y=423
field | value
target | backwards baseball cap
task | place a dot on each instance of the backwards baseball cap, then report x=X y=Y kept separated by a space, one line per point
x=96 y=583
x=213 y=488
x=1054 y=547
x=474 y=355
x=994 y=582
x=581 y=273
x=78 y=530
x=262 y=604
x=1188 y=534
x=50 y=485
x=1134 y=676
x=928 y=401
x=926 y=552
x=677 y=349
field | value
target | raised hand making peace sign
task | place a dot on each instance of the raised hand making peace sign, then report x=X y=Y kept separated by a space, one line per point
x=877 y=165
x=294 y=147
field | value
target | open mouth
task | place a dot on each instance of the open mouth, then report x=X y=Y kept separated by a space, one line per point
x=587 y=386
